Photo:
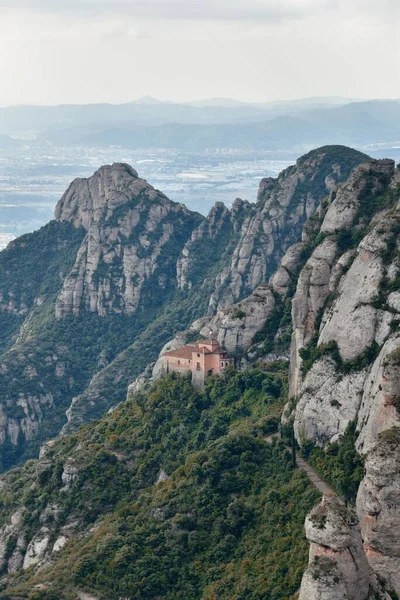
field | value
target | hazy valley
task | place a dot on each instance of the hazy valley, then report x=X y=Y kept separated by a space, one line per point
x=199 y=153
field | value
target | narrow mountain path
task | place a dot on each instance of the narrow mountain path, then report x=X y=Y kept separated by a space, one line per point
x=313 y=476
x=311 y=473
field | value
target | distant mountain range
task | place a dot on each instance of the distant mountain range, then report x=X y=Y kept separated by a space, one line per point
x=294 y=126
x=313 y=101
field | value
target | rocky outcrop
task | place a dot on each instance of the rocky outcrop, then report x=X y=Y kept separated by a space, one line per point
x=311 y=294
x=329 y=401
x=23 y=546
x=341 y=303
x=370 y=180
x=337 y=567
x=378 y=507
x=345 y=367
x=235 y=326
x=108 y=259
x=277 y=220
x=211 y=242
x=129 y=227
x=325 y=272
x=379 y=409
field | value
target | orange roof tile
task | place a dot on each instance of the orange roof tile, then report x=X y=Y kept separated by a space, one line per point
x=183 y=352
x=186 y=351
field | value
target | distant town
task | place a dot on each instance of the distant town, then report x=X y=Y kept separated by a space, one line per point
x=34 y=177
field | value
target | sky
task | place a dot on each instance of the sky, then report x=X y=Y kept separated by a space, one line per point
x=81 y=51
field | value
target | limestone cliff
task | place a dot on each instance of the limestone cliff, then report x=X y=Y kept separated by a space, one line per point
x=345 y=364
x=276 y=222
x=133 y=233
x=344 y=311
x=338 y=567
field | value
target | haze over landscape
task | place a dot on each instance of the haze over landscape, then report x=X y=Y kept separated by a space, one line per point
x=208 y=121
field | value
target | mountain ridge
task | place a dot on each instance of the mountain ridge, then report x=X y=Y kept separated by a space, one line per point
x=127 y=278
x=196 y=478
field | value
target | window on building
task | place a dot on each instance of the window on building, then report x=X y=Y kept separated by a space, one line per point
x=198 y=366
x=198 y=355
x=179 y=362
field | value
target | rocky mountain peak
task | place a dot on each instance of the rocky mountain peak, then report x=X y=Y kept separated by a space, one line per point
x=128 y=223
x=267 y=183
x=269 y=227
x=369 y=179
x=95 y=199
x=315 y=265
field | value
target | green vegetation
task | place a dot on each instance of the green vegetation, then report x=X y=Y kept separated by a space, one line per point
x=226 y=524
x=276 y=333
x=310 y=353
x=33 y=266
x=371 y=200
x=55 y=360
x=339 y=463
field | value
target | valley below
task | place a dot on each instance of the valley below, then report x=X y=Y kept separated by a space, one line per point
x=34 y=177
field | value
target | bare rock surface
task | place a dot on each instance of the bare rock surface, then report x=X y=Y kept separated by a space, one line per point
x=283 y=206
x=128 y=224
x=349 y=328
x=235 y=326
x=337 y=562
x=378 y=507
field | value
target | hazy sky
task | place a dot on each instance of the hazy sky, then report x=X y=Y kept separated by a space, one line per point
x=54 y=51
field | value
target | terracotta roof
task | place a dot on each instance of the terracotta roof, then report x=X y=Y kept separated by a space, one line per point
x=186 y=351
x=183 y=352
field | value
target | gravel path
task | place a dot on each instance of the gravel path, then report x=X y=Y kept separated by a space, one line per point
x=313 y=476
x=311 y=473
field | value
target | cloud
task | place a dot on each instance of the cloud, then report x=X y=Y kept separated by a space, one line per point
x=55 y=51
x=228 y=10
x=260 y=12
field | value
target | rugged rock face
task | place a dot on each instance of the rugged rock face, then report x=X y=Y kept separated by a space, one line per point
x=103 y=287
x=277 y=220
x=211 y=242
x=129 y=227
x=338 y=567
x=322 y=274
x=328 y=403
x=344 y=266
x=379 y=410
x=345 y=367
x=235 y=326
x=340 y=303
x=378 y=506
x=22 y=547
x=75 y=295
